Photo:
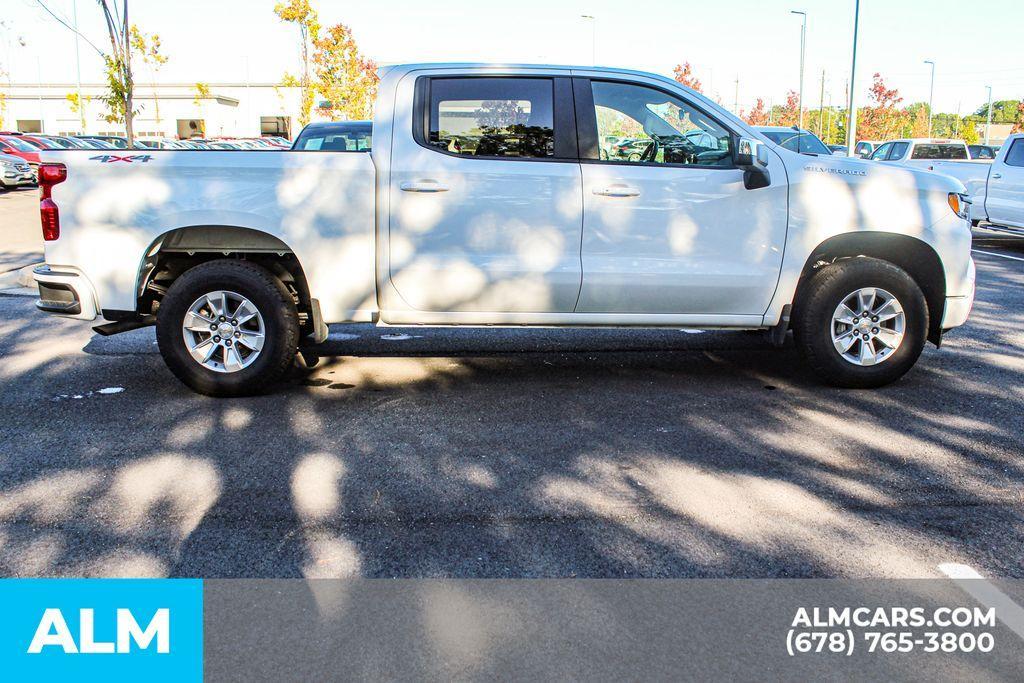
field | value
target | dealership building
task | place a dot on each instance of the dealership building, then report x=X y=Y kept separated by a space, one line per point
x=165 y=110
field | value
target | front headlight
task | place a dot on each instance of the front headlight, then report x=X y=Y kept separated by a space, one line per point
x=961 y=204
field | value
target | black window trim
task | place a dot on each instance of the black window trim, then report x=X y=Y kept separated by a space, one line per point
x=1013 y=145
x=586 y=125
x=563 y=122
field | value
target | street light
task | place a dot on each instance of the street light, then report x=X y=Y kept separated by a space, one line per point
x=851 y=114
x=931 y=96
x=988 y=121
x=803 y=38
x=593 y=37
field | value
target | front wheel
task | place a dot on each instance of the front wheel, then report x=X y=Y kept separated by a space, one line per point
x=228 y=328
x=861 y=322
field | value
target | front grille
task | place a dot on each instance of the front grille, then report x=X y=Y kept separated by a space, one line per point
x=24 y=168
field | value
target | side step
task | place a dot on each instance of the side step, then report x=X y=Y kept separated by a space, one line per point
x=126 y=325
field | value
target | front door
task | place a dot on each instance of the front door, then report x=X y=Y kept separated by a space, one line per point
x=671 y=229
x=486 y=207
x=1005 y=199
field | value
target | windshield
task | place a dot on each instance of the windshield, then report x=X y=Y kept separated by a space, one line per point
x=804 y=143
x=352 y=137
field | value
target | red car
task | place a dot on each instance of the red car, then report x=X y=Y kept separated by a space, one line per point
x=15 y=146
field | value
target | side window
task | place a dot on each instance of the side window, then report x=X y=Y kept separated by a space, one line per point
x=645 y=125
x=1015 y=157
x=879 y=154
x=898 y=150
x=493 y=117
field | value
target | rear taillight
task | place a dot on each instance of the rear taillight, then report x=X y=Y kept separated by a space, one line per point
x=50 y=175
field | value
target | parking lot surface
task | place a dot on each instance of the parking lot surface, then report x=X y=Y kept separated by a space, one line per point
x=515 y=453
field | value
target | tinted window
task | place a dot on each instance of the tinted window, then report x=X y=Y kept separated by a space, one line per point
x=656 y=128
x=1015 y=157
x=879 y=154
x=493 y=117
x=898 y=150
x=936 y=151
x=343 y=137
x=804 y=143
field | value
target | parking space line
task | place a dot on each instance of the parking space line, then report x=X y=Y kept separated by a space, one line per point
x=990 y=253
x=975 y=585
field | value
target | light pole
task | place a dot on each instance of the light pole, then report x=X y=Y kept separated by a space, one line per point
x=988 y=120
x=593 y=37
x=931 y=96
x=78 y=69
x=851 y=113
x=803 y=44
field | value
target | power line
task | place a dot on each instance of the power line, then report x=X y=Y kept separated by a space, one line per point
x=69 y=27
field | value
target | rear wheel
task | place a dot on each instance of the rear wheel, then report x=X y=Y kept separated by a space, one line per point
x=228 y=328
x=861 y=322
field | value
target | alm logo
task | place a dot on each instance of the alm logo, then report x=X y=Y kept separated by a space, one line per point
x=53 y=631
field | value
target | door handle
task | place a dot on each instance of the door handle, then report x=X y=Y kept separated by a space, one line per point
x=618 y=191
x=997 y=176
x=423 y=186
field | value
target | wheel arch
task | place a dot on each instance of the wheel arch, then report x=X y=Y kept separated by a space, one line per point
x=179 y=249
x=913 y=255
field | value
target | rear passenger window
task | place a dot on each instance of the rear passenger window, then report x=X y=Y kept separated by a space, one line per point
x=1015 y=157
x=493 y=117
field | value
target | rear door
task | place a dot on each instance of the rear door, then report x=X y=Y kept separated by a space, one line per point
x=1005 y=199
x=486 y=212
x=674 y=231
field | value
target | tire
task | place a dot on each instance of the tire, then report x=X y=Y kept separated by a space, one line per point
x=819 y=332
x=274 y=328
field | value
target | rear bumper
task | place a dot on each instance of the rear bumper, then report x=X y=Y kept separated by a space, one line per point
x=958 y=308
x=65 y=292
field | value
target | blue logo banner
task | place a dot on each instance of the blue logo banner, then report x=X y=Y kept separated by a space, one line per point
x=101 y=629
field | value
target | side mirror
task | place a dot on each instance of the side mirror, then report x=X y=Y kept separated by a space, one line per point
x=752 y=157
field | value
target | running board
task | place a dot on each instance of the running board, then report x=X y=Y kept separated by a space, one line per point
x=127 y=325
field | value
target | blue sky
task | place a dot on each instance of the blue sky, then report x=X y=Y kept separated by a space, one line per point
x=973 y=43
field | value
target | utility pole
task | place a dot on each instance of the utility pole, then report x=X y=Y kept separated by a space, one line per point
x=851 y=112
x=803 y=44
x=931 y=96
x=821 y=105
x=736 y=99
x=988 y=120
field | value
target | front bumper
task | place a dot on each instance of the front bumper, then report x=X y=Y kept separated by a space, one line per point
x=958 y=308
x=18 y=178
x=65 y=292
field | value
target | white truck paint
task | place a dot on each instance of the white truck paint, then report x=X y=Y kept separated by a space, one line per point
x=996 y=187
x=410 y=234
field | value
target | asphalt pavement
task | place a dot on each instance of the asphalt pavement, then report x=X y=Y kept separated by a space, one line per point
x=517 y=453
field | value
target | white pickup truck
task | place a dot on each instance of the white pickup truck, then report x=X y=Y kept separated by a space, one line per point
x=996 y=187
x=485 y=201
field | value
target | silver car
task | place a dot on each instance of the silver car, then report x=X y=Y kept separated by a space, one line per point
x=15 y=172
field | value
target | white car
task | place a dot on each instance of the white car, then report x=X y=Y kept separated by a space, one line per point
x=923 y=152
x=15 y=172
x=485 y=201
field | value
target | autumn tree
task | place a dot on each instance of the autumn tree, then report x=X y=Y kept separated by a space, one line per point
x=757 y=116
x=684 y=75
x=787 y=114
x=300 y=13
x=883 y=119
x=347 y=79
x=1018 y=124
